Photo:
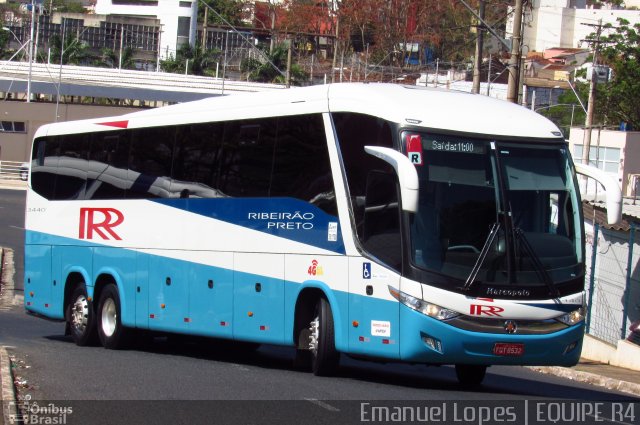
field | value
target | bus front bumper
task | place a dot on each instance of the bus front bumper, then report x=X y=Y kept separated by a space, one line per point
x=427 y=340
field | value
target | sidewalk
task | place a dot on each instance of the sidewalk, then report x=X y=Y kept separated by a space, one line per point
x=14 y=184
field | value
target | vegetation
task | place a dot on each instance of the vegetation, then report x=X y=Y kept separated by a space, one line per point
x=195 y=60
x=263 y=71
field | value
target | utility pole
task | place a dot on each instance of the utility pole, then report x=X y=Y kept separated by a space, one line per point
x=33 y=21
x=514 y=61
x=288 y=76
x=588 y=124
x=479 y=47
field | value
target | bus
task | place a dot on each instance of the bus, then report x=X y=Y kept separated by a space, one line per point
x=378 y=221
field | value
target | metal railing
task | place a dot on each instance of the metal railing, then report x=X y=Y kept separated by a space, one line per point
x=12 y=170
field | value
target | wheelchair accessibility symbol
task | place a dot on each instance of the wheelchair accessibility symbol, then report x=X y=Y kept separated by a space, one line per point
x=366 y=270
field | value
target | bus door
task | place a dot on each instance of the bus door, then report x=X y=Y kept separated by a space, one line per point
x=373 y=313
x=258 y=297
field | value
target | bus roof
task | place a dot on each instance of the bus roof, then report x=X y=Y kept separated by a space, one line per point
x=434 y=109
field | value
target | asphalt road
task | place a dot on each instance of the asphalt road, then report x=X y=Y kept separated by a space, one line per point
x=179 y=380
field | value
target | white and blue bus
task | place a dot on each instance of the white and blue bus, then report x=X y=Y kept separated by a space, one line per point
x=381 y=221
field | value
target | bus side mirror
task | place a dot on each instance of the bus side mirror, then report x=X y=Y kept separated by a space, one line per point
x=406 y=171
x=612 y=190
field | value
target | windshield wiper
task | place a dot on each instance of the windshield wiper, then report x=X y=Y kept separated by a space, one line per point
x=537 y=264
x=495 y=228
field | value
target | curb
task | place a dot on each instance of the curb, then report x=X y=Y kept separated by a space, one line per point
x=589 y=378
x=9 y=411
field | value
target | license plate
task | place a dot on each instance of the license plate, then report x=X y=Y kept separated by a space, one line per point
x=508 y=349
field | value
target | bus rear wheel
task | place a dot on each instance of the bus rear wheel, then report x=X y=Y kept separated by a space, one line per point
x=470 y=375
x=113 y=335
x=324 y=356
x=80 y=317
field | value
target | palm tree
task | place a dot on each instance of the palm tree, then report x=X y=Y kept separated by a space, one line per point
x=263 y=70
x=200 y=61
x=109 y=58
x=75 y=50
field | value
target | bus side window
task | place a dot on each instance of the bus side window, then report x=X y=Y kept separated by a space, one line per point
x=197 y=157
x=72 y=167
x=301 y=150
x=108 y=158
x=150 y=163
x=43 y=166
x=247 y=157
x=381 y=228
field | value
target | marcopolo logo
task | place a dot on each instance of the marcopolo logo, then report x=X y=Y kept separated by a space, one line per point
x=101 y=221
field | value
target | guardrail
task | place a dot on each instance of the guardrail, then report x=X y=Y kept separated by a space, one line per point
x=12 y=170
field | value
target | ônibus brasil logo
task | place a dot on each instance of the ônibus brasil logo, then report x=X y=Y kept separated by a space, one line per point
x=101 y=221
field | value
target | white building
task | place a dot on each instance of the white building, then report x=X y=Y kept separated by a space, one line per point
x=178 y=19
x=560 y=23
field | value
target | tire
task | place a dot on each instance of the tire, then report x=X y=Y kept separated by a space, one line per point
x=113 y=335
x=80 y=317
x=470 y=375
x=324 y=357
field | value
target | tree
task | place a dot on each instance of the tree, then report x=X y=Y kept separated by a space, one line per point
x=263 y=71
x=230 y=10
x=68 y=6
x=75 y=51
x=109 y=58
x=618 y=98
x=196 y=60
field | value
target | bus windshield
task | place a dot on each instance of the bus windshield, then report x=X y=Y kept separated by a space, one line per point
x=495 y=212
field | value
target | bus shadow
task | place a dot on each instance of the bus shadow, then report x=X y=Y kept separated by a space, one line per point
x=502 y=380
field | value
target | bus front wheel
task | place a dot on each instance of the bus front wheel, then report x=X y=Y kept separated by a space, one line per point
x=113 y=335
x=470 y=375
x=81 y=317
x=324 y=357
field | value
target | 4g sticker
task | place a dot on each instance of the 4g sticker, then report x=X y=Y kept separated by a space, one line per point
x=315 y=269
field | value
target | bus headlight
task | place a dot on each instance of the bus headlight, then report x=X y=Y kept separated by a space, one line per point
x=424 y=307
x=573 y=318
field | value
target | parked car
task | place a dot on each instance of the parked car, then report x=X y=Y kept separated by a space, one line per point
x=24 y=171
x=634 y=336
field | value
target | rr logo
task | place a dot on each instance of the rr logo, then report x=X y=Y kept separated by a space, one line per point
x=486 y=310
x=111 y=217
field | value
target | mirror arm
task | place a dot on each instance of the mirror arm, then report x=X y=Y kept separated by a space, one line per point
x=612 y=190
x=406 y=171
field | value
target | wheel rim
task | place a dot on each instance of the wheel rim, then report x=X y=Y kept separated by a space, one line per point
x=109 y=317
x=80 y=314
x=314 y=335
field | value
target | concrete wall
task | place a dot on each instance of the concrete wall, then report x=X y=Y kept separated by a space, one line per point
x=17 y=146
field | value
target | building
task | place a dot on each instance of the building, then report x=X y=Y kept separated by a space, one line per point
x=565 y=23
x=613 y=151
x=177 y=19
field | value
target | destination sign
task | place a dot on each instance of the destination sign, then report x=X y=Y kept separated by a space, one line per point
x=457 y=146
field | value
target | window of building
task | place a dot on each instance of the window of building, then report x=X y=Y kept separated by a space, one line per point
x=13 y=127
x=185 y=4
x=602 y=157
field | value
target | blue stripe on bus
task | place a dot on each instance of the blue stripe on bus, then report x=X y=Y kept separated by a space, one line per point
x=288 y=218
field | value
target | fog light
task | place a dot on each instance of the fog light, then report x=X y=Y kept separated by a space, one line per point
x=432 y=343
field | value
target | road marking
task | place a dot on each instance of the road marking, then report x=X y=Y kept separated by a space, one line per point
x=17 y=227
x=323 y=404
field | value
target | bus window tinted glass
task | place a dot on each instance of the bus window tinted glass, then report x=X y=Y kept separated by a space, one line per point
x=72 y=167
x=301 y=163
x=150 y=163
x=195 y=168
x=355 y=131
x=248 y=157
x=108 y=158
x=44 y=163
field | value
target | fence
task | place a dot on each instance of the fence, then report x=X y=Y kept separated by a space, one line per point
x=12 y=170
x=613 y=282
